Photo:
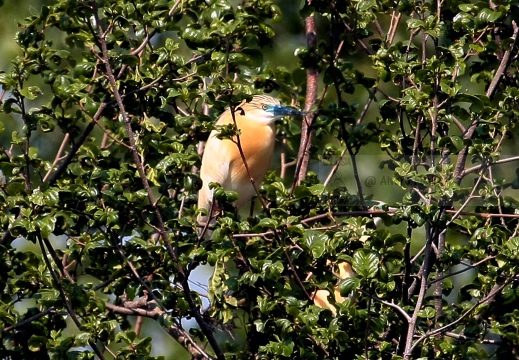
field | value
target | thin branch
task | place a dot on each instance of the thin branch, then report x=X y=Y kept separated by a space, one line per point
x=421 y=297
x=51 y=310
x=348 y=27
x=398 y=308
x=179 y=334
x=207 y=331
x=77 y=144
x=395 y=20
x=495 y=291
x=505 y=61
x=58 y=156
x=334 y=168
x=465 y=338
x=356 y=175
x=66 y=301
x=467 y=268
x=153 y=314
x=480 y=166
x=244 y=160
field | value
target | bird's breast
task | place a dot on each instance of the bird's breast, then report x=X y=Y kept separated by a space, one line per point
x=258 y=147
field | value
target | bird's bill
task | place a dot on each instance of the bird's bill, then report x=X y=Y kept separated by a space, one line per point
x=279 y=110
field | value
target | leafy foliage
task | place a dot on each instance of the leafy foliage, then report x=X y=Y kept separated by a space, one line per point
x=108 y=222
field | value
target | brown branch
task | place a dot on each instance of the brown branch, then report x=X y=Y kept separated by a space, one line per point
x=58 y=156
x=206 y=329
x=411 y=329
x=334 y=168
x=356 y=176
x=497 y=162
x=179 y=334
x=312 y=79
x=505 y=61
x=51 y=310
x=77 y=144
x=472 y=266
x=493 y=293
x=397 y=307
x=137 y=311
x=348 y=27
x=283 y=158
x=64 y=298
x=395 y=20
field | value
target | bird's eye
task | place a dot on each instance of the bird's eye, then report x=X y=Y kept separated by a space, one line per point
x=265 y=107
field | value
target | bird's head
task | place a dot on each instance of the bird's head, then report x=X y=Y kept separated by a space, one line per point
x=265 y=109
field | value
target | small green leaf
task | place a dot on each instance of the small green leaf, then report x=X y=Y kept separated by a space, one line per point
x=427 y=312
x=37 y=342
x=46 y=225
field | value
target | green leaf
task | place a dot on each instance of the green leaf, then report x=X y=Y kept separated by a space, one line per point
x=427 y=312
x=348 y=285
x=365 y=263
x=260 y=326
x=488 y=16
x=366 y=5
x=316 y=242
x=36 y=343
x=31 y=92
x=267 y=223
x=46 y=225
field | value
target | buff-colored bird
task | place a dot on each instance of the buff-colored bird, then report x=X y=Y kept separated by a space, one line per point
x=222 y=162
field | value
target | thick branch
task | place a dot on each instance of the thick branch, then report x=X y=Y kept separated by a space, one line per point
x=312 y=78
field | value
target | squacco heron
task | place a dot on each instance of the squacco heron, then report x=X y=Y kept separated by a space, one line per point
x=222 y=162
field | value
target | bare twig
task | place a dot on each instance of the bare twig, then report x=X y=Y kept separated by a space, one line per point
x=469 y=267
x=397 y=307
x=237 y=141
x=421 y=297
x=58 y=156
x=480 y=166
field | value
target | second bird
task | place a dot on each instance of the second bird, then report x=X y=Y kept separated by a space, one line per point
x=222 y=162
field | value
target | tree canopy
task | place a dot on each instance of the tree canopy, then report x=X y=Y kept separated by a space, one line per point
x=393 y=202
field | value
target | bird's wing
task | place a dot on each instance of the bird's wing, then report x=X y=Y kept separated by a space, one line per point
x=215 y=168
